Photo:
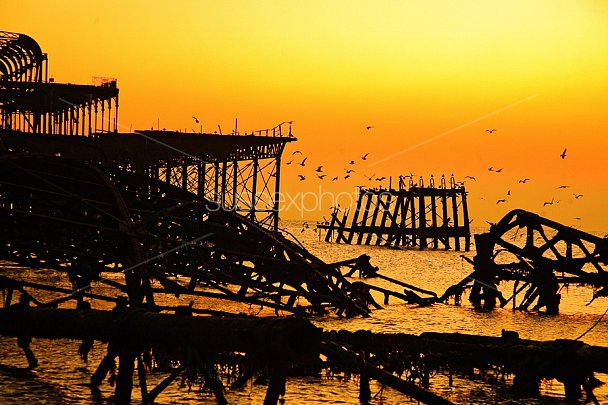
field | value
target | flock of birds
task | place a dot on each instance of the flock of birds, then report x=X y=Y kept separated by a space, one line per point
x=349 y=171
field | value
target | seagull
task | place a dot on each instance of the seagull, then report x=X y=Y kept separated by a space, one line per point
x=548 y=202
x=381 y=178
x=195 y=119
x=491 y=168
x=321 y=176
x=369 y=177
x=470 y=177
x=319 y=169
x=303 y=162
x=490 y=130
x=577 y=196
x=290 y=162
x=335 y=178
x=498 y=170
x=349 y=171
x=563 y=155
x=297 y=151
x=563 y=187
x=369 y=127
x=509 y=192
x=364 y=157
x=523 y=180
x=501 y=201
x=347 y=176
x=301 y=177
x=352 y=162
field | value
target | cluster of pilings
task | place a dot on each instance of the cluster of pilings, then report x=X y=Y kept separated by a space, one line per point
x=200 y=346
x=413 y=216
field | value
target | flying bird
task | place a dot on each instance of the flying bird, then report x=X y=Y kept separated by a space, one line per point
x=303 y=162
x=321 y=176
x=349 y=171
x=347 y=176
x=498 y=170
x=301 y=177
x=335 y=178
x=548 y=202
x=563 y=187
x=319 y=169
x=491 y=130
x=501 y=201
x=364 y=157
x=491 y=168
x=352 y=162
x=523 y=180
x=509 y=192
x=195 y=119
x=369 y=127
x=297 y=151
x=290 y=162
x=470 y=177
x=369 y=177
x=563 y=155
x=577 y=196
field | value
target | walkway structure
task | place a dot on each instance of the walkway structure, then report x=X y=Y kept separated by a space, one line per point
x=413 y=216
x=77 y=121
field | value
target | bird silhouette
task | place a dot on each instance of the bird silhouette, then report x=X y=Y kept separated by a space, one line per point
x=319 y=169
x=297 y=151
x=370 y=177
x=498 y=170
x=290 y=162
x=491 y=130
x=347 y=176
x=301 y=177
x=501 y=201
x=563 y=155
x=491 y=168
x=321 y=176
x=303 y=162
x=369 y=127
x=349 y=171
x=548 y=202
x=509 y=192
x=364 y=157
x=523 y=180
x=352 y=162
x=563 y=187
x=195 y=119
x=335 y=178
x=381 y=178
x=577 y=196
x=470 y=177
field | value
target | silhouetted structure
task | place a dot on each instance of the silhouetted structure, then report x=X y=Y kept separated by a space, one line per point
x=412 y=216
x=540 y=256
x=37 y=115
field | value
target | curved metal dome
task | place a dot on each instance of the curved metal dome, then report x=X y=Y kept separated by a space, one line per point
x=20 y=58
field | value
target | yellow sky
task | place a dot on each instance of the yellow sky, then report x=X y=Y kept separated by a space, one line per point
x=430 y=76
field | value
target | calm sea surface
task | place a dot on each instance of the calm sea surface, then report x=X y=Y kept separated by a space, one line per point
x=62 y=377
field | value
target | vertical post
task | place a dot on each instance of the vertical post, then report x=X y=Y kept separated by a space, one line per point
x=354 y=225
x=467 y=227
x=185 y=176
x=201 y=179
x=446 y=223
x=368 y=196
x=422 y=219
x=455 y=214
x=277 y=192
x=124 y=380
x=374 y=217
x=216 y=184
x=235 y=177
x=385 y=213
x=254 y=189
x=412 y=202
x=224 y=170
x=434 y=218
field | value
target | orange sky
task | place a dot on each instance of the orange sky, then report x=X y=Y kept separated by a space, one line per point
x=429 y=76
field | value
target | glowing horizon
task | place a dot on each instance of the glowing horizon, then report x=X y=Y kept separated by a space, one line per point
x=430 y=77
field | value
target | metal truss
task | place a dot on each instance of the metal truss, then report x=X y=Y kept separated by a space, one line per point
x=96 y=226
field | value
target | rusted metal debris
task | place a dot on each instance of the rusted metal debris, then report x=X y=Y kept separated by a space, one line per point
x=540 y=256
x=83 y=221
x=411 y=216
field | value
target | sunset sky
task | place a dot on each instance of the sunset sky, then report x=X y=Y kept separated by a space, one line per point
x=429 y=76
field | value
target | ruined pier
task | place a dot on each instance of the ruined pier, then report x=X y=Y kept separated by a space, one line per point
x=414 y=215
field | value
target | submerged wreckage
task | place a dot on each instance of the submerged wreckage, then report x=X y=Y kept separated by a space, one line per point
x=152 y=223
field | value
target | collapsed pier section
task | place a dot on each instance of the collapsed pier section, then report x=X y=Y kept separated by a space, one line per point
x=411 y=216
